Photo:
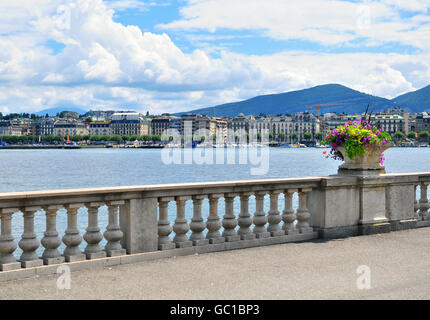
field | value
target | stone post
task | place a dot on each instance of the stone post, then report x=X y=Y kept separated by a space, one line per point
x=138 y=221
x=7 y=243
x=51 y=241
x=303 y=215
x=229 y=221
x=113 y=233
x=399 y=200
x=198 y=225
x=214 y=223
x=72 y=237
x=245 y=220
x=274 y=216
x=164 y=227
x=289 y=215
x=424 y=202
x=29 y=242
x=93 y=235
x=181 y=226
x=373 y=206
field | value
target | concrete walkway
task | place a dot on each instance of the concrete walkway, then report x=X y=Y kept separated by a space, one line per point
x=399 y=264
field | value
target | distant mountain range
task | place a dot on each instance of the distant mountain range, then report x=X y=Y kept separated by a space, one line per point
x=53 y=111
x=297 y=101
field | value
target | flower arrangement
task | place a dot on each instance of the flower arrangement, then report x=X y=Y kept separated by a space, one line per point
x=356 y=137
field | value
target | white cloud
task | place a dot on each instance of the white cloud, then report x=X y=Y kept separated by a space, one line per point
x=328 y=22
x=109 y=65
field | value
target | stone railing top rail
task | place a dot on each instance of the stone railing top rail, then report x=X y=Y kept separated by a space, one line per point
x=84 y=195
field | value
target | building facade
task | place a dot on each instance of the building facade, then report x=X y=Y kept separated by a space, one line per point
x=128 y=123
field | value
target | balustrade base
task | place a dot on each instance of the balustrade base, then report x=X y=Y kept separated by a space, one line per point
x=116 y=252
x=422 y=223
x=96 y=255
x=403 y=224
x=77 y=257
x=31 y=263
x=184 y=244
x=232 y=238
x=216 y=240
x=248 y=236
x=375 y=228
x=306 y=230
x=278 y=233
x=291 y=232
x=166 y=246
x=201 y=242
x=263 y=235
x=337 y=232
x=10 y=266
x=49 y=261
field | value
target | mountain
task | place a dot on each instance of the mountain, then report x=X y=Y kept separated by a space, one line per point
x=416 y=101
x=54 y=111
x=297 y=101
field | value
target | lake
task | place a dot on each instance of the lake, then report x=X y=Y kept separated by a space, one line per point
x=25 y=170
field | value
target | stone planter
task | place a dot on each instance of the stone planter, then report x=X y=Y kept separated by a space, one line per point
x=368 y=164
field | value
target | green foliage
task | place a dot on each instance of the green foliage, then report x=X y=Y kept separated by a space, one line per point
x=281 y=136
x=412 y=135
x=356 y=137
x=307 y=135
x=319 y=136
x=398 y=135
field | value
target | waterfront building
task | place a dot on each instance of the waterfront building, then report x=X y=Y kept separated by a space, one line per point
x=240 y=122
x=160 y=124
x=43 y=127
x=10 y=128
x=305 y=122
x=198 y=122
x=421 y=122
x=69 y=128
x=130 y=123
x=389 y=122
x=99 y=128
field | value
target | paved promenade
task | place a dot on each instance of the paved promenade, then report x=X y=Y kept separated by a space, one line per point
x=399 y=264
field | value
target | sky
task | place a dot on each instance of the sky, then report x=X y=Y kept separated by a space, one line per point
x=178 y=55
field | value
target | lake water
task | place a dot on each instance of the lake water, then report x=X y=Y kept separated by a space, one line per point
x=25 y=170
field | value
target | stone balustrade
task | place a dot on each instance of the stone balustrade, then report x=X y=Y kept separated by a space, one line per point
x=140 y=222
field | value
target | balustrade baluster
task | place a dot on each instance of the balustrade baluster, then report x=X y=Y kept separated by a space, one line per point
x=29 y=242
x=93 y=235
x=289 y=215
x=274 y=217
x=113 y=233
x=229 y=221
x=198 y=225
x=416 y=204
x=260 y=218
x=51 y=241
x=72 y=237
x=181 y=226
x=164 y=227
x=7 y=243
x=424 y=202
x=303 y=215
x=213 y=223
x=245 y=220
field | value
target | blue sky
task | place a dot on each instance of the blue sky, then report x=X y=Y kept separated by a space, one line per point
x=176 y=55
